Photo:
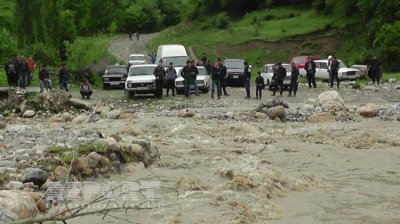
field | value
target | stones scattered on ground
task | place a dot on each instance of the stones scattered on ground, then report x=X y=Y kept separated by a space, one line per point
x=369 y=110
x=29 y=114
x=186 y=113
x=3 y=124
x=331 y=100
x=34 y=175
x=16 y=205
x=81 y=118
x=60 y=173
x=321 y=118
x=80 y=104
x=261 y=115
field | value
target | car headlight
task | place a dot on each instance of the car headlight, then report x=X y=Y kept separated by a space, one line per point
x=106 y=79
x=129 y=85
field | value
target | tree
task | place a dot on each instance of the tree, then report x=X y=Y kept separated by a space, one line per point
x=388 y=44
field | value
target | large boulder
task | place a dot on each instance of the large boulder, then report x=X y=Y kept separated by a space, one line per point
x=80 y=104
x=276 y=112
x=55 y=100
x=369 y=110
x=261 y=115
x=16 y=205
x=29 y=114
x=34 y=175
x=321 y=118
x=331 y=100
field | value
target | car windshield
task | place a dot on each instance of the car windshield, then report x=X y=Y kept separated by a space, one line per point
x=137 y=58
x=287 y=67
x=342 y=65
x=299 y=60
x=116 y=70
x=138 y=71
x=234 y=64
x=177 y=61
x=201 y=71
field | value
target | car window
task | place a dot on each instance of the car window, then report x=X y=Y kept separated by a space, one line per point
x=116 y=70
x=322 y=65
x=177 y=61
x=137 y=58
x=234 y=64
x=287 y=67
x=265 y=70
x=299 y=60
x=138 y=71
x=201 y=71
x=342 y=65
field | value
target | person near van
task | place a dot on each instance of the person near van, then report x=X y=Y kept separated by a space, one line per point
x=11 y=73
x=23 y=72
x=224 y=73
x=216 y=71
x=330 y=60
x=246 y=79
x=159 y=73
x=44 y=79
x=335 y=72
x=294 y=80
x=86 y=89
x=310 y=68
x=31 y=67
x=63 y=76
x=280 y=76
x=193 y=77
x=186 y=75
x=374 y=70
x=259 y=85
x=171 y=76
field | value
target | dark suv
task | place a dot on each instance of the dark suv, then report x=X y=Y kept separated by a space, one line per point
x=235 y=70
x=115 y=76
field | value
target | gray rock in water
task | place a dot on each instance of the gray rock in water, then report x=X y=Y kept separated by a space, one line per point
x=35 y=175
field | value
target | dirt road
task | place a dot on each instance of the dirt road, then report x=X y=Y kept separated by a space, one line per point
x=122 y=46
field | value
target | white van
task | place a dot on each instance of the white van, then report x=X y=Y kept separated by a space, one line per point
x=172 y=53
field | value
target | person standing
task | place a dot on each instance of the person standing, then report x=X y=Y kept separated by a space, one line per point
x=171 y=76
x=330 y=60
x=204 y=58
x=246 y=79
x=335 y=72
x=310 y=68
x=259 y=85
x=63 y=76
x=374 y=70
x=216 y=71
x=280 y=76
x=11 y=73
x=294 y=80
x=159 y=73
x=31 y=67
x=193 y=77
x=186 y=74
x=44 y=79
x=137 y=35
x=86 y=89
x=224 y=73
x=23 y=72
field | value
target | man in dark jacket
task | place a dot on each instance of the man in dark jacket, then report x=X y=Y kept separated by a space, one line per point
x=193 y=77
x=11 y=73
x=186 y=75
x=63 y=76
x=159 y=73
x=216 y=71
x=279 y=77
x=204 y=59
x=294 y=80
x=23 y=72
x=374 y=70
x=224 y=73
x=310 y=69
x=259 y=85
x=171 y=76
x=246 y=79
x=335 y=66
x=44 y=79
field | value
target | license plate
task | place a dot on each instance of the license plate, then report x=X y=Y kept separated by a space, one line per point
x=115 y=83
x=235 y=76
x=286 y=82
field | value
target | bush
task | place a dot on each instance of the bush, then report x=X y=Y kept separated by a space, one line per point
x=42 y=53
x=388 y=45
x=319 y=5
x=8 y=45
x=222 y=21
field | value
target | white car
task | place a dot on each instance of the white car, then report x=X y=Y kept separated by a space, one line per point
x=140 y=80
x=136 y=59
x=268 y=73
x=344 y=71
x=203 y=80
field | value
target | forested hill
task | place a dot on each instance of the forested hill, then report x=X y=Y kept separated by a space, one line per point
x=359 y=28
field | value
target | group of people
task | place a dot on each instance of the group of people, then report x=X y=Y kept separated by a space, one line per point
x=19 y=71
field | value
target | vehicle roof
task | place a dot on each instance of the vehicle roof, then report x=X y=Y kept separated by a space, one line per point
x=274 y=64
x=136 y=55
x=323 y=60
x=116 y=66
x=233 y=59
x=144 y=65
